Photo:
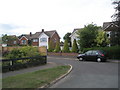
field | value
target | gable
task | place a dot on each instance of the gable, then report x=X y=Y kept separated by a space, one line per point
x=43 y=35
x=23 y=37
x=55 y=34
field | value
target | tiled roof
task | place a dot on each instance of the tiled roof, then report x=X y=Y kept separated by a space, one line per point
x=37 y=34
x=108 y=26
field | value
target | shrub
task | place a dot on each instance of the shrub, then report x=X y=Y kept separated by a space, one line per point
x=50 y=46
x=113 y=52
x=66 y=47
x=74 y=47
x=27 y=51
x=57 y=48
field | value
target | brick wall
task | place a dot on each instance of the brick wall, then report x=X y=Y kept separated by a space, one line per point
x=35 y=44
x=55 y=38
x=62 y=54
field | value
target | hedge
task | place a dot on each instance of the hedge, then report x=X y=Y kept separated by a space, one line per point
x=113 y=52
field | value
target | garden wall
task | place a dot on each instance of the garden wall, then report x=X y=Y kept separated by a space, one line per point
x=62 y=54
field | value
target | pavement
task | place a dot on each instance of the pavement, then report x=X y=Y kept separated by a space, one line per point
x=31 y=69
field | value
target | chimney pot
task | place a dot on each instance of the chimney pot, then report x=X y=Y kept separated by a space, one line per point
x=42 y=30
x=30 y=33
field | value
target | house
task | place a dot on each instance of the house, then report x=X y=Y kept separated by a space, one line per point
x=74 y=35
x=24 y=39
x=12 y=41
x=40 y=38
x=111 y=30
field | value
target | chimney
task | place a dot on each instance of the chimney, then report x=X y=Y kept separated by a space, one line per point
x=42 y=30
x=30 y=34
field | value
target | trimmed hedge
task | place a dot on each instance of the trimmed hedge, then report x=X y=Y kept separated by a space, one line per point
x=113 y=52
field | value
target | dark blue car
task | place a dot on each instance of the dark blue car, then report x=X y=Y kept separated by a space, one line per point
x=96 y=55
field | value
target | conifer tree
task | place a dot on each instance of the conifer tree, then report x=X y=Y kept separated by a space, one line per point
x=74 y=46
x=66 y=47
x=50 y=46
x=57 y=48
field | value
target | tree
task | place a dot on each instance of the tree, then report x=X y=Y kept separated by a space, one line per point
x=66 y=47
x=116 y=15
x=8 y=39
x=50 y=46
x=116 y=20
x=87 y=36
x=68 y=38
x=74 y=47
x=57 y=48
x=101 y=39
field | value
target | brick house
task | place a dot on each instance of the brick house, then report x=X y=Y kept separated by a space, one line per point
x=40 y=38
x=14 y=41
x=111 y=30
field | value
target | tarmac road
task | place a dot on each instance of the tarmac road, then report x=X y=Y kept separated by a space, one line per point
x=87 y=74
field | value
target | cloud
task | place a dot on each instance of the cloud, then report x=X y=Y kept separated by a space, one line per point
x=23 y=16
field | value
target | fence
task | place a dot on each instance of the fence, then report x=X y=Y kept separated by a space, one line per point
x=19 y=63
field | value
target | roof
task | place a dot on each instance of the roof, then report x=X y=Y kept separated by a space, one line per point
x=26 y=35
x=109 y=26
x=75 y=30
x=37 y=34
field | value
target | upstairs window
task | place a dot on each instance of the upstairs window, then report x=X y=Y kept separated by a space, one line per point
x=43 y=40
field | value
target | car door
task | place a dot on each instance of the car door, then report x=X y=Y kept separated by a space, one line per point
x=94 y=55
x=88 y=55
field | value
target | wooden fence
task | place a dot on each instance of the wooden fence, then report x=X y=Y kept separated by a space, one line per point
x=18 y=63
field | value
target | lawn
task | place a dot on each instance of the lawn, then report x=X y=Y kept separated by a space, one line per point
x=34 y=79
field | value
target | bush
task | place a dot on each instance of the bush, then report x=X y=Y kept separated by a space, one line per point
x=74 y=47
x=57 y=48
x=50 y=47
x=66 y=47
x=113 y=52
x=27 y=51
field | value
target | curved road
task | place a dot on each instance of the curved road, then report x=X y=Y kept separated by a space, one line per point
x=87 y=74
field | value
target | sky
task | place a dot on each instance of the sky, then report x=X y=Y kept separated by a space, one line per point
x=24 y=16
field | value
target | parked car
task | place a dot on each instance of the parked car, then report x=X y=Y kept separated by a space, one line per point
x=96 y=55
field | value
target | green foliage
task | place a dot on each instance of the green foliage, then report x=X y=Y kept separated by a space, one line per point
x=74 y=47
x=15 y=53
x=27 y=51
x=57 y=48
x=87 y=36
x=112 y=52
x=66 y=47
x=68 y=38
x=50 y=47
x=6 y=39
x=102 y=39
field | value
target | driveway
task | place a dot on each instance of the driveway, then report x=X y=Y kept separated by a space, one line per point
x=87 y=74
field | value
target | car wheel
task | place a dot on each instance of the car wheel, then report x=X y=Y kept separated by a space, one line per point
x=80 y=59
x=99 y=60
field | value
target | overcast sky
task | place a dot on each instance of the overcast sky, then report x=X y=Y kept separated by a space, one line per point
x=24 y=16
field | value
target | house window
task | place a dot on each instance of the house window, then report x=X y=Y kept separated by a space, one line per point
x=23 y=41
x=35 y=40
x=43 y=40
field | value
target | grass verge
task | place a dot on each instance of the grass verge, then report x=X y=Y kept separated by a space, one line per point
x=34 y=79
